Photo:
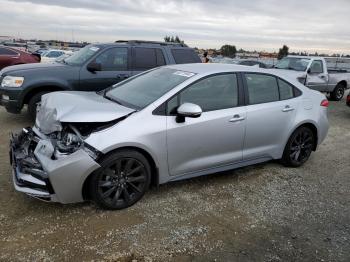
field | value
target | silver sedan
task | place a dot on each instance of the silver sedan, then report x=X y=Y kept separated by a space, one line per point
x=169 y=123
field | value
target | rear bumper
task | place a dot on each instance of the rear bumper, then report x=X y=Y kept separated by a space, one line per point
x=37 y=174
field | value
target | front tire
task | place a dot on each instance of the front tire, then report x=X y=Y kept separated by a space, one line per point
x=338 y=92
x=122 y=180
x=299 y=147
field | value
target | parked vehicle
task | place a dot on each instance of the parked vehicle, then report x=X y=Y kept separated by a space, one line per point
x=10 y=56
x=93 y=68
x=252 y=63
x=166 y=124
x=313 y=72
x=51 y=55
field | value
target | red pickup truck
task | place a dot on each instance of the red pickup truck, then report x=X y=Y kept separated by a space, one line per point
x=10 y=56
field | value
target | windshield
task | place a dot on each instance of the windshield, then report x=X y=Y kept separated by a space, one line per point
x=146 y=88
x=293 y=63
x=80 y=57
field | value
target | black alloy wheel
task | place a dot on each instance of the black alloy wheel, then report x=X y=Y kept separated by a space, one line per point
x=338 y=92
x=299 y=147
x=122 y=181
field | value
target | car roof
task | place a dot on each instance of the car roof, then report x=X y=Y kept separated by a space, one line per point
x=140 y=43
x=305 y=57
x=212 y=68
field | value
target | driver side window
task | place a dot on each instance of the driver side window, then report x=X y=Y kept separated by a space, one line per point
x=114 y=59
x=212 y=93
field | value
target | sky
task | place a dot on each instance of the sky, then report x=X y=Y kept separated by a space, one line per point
x=309 y=25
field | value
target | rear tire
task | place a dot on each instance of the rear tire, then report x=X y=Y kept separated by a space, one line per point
x=33 y=103
x=122 y=180
x=299 y=147
x=338 y=92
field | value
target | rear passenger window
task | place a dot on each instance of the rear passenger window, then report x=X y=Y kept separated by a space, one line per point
x=184 y=56
x=261 y=88
x=147 y=58
x=286 y=90
x=5 y=51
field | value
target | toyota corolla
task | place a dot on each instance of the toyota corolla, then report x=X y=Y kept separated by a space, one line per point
x=167 y=124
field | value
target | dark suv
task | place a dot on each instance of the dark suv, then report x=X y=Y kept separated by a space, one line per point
x=93 y=68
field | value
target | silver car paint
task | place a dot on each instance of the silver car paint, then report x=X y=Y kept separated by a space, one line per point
x=66 y=174
x=210 y=143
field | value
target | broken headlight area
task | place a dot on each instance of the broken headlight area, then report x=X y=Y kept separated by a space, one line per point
x=29 y=176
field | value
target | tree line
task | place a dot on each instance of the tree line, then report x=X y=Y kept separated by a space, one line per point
x=227 y=50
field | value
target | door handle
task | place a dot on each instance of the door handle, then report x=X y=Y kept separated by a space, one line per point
x=237 y=118
x=122 y=76
x=323 y=76
x=287 y=109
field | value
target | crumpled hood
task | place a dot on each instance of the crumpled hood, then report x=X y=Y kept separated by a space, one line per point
x=76 y=107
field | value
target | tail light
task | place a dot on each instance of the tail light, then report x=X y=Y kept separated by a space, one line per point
x=348 y=99
x=325 y=103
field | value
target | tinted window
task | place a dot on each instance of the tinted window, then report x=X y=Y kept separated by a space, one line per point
x=81 y=56
x=113 y=59
x=54 y=54
x=262 y=88
x=184 y=56
x=316 y=67
x=212 y=93
x=5 y=51
x=147 y=58
x=145 y=88
x=286 y=90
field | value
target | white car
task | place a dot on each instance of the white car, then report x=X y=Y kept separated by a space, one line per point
x=52 y=55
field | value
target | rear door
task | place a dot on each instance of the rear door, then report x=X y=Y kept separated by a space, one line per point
x=271 y=110
x=215 y=138
x=114 y=68
x=317 y=79
x=145 y=58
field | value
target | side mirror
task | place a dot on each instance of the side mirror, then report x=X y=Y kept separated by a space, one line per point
x=188 y=110
x=93 y=67
x=309 y=71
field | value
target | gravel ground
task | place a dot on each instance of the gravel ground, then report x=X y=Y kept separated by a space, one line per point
x=260 y=213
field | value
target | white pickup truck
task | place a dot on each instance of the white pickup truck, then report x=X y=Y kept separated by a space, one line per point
x=314 y=73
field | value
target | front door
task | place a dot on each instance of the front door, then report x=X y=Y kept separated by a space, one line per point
x=114 y=68
x=316 y=78
x=215 y=138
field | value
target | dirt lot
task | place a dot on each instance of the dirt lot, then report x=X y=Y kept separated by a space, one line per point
x=260 y=213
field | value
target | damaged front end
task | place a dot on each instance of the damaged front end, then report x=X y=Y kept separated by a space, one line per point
x=51 y=161
x=52 y=167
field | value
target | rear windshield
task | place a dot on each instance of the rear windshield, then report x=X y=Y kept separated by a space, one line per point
x=185 y=56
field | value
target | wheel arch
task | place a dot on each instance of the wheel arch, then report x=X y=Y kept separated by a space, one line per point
x=312 y=127
x=343 y=83
x=147 y=155
x=39 y=89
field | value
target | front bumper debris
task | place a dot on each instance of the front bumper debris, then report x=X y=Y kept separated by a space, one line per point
x=28 y=174
x=37 y=173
